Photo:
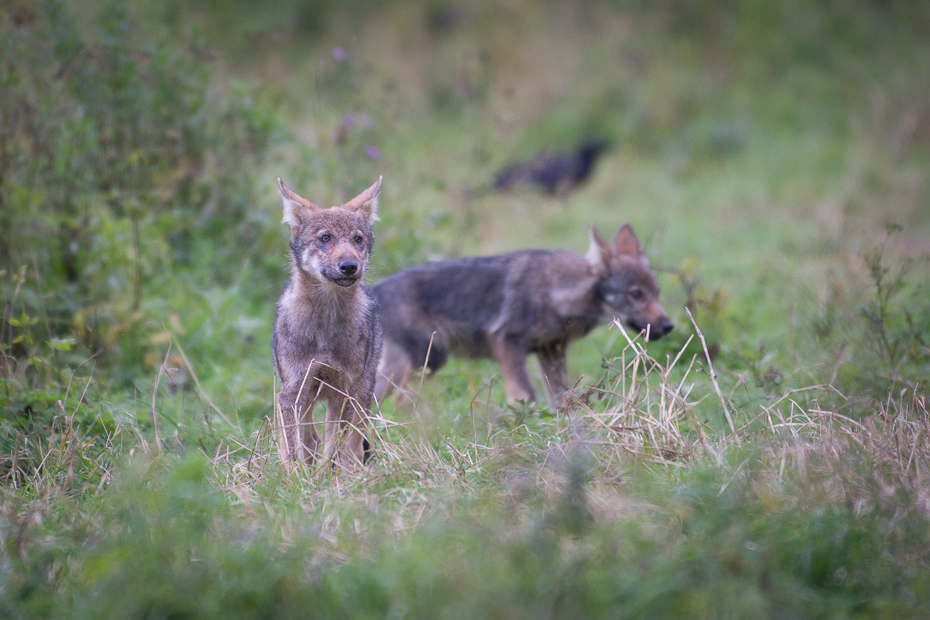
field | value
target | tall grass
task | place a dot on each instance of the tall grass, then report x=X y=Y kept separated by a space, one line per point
x=627 y=504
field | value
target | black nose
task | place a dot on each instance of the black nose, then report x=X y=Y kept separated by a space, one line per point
x=666 y=326
x=348 y=267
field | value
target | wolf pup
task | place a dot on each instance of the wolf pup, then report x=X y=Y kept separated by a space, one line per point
x=327 y=338
x=508 y=306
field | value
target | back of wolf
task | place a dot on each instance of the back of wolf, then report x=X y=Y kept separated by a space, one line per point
x=447 y=306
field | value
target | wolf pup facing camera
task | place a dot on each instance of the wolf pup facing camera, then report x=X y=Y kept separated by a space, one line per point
x=327 y=338
x=508 y=306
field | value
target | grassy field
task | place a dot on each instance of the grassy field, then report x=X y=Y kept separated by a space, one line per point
x=774 y=160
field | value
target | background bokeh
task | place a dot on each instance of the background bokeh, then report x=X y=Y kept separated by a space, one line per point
x=773 y=158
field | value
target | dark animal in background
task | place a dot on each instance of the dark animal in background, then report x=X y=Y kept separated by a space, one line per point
x=327 y=337
x=511 y=305
x=556 y=173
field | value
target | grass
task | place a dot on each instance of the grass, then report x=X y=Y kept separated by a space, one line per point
x=767 y=460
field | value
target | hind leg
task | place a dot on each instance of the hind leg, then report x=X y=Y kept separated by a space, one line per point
x=393 y=370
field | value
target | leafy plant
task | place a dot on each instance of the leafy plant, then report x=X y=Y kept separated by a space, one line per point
x=112 y=146
x=896 y=329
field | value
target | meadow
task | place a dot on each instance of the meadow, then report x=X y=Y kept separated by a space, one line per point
x=767 y=459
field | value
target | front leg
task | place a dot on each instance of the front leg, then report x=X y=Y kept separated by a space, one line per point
x=344 y=435
x=298 y=437
x=511 y=356
x=555 y=373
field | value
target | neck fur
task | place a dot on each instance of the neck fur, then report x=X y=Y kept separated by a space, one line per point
x=324 y=303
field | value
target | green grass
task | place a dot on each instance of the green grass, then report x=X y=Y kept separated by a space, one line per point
x=773 y=160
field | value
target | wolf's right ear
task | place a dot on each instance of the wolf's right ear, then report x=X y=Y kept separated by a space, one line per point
x=598 y=251
x=296 y=207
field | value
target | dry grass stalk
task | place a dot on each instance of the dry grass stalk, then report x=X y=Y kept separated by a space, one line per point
x=862 y=462
x=713 y=377
x=645 y=413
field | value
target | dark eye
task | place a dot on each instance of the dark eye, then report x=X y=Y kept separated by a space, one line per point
x=325 y=238
x=359 y=239
x=636 y=293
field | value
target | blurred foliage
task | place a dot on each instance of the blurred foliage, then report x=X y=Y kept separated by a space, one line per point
x=122 y=174
x=693 y=547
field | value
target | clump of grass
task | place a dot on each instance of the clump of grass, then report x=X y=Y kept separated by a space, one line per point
x=641 y=407
x=895 y=328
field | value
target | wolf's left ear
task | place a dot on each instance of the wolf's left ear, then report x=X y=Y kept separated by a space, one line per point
x=366 y=202
x=626 y=242
x=598 y=251
x=296 y=206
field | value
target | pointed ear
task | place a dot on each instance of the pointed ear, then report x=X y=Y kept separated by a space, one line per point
x=598 y=251
x=296 y=207
x=366 y=202
x=626 y=242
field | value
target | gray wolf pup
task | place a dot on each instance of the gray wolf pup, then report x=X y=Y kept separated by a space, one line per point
x=327 y=338
x=508 y=306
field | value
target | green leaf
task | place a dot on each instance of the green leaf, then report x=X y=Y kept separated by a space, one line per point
x=62 y=344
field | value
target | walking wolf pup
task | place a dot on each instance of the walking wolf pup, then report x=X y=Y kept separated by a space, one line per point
x=511 y=305
x=327 y=337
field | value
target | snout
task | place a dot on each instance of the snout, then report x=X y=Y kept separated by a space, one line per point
x=348 y=267
x=655 y=329
x=664 y=327
x=347 y=272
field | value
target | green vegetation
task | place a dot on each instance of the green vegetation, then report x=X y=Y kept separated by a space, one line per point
x=773 y=158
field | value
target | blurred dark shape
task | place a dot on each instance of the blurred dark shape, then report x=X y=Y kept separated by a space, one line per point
x=447 y=18
x=21 y=15
x=554 y=173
